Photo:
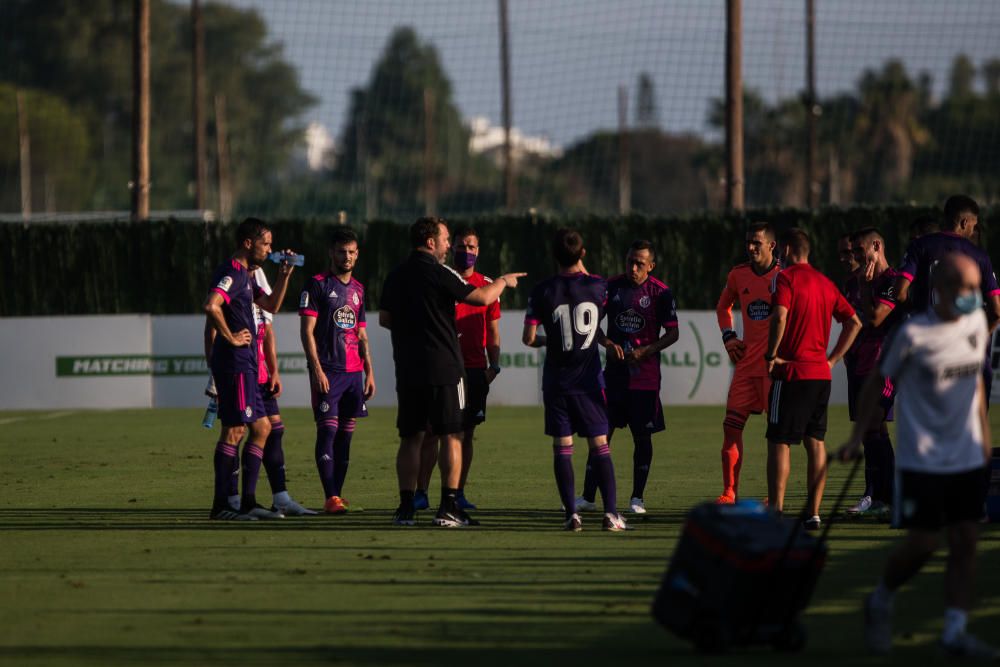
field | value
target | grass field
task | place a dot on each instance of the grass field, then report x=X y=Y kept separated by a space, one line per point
x=108 y=557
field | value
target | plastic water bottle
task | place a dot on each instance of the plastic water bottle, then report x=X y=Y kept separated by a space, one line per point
x=210 y=414
x=294 y=260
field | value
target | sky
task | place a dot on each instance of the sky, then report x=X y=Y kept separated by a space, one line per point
x=568 y=57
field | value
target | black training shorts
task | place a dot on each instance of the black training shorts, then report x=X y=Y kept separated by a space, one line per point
x=797 y=410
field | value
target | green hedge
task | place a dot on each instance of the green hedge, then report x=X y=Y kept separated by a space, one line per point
x=164 y=267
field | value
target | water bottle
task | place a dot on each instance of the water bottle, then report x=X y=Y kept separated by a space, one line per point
x=210 y=414
x=294 y=260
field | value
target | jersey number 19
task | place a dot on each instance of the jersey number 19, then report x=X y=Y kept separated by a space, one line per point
x=583 y=320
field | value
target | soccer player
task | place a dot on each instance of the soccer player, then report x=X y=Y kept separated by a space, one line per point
x=233 y=360
x=803 y=302
x=479 y=337
x=571 y=305
x=748 y=284
x=639 y=305
x=335 y=339
x=875 y=306
x=418 y=308
x=943 y=443
x=913 y=284
x=270 y=389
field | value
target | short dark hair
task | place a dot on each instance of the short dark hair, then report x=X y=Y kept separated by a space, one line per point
x=865 y=232
x=765 y=227
x=923 y=225
x=251 y=229
x=462 y=231
x=567 y=246
x=796 y=240
x=342 y=235
x=643 y=244
x=845 y=235
x=957 y=206
x=424 y=228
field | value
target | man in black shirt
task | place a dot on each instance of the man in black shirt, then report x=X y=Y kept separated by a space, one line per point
x=418 y=307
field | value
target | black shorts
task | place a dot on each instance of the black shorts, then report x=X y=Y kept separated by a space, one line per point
x=436 y=409
x=929 y=501
x=797 y=410
x=476 y=391
x=638 y=409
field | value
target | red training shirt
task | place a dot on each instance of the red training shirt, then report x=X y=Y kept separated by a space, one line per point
x=470 y=322
x=812 y=300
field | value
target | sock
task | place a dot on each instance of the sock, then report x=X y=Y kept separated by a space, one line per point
x=870 y=444
x=882 y=597
x=326 y=431
x=274 y=458
x=406 y=500
x=887 y=470
x=590 y=480
x=342 y=455
x=252 y=455
x=234 y=477
x=225 y=455
x=642 y=457
x=732 y=451
x=448 y=498
x=954 y=624
x=605 y=471
x=563 y=467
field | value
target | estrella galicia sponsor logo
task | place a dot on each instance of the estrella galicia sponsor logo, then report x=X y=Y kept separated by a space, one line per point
x=759 y=310
x=629 y=321
x=345 y=318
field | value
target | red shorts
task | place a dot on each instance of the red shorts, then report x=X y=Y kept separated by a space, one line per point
x=748 y=394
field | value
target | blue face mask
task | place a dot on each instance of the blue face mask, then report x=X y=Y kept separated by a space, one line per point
x=968 y=303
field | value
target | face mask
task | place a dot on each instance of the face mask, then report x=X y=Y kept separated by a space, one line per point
x=968 y=303
x=464 y=260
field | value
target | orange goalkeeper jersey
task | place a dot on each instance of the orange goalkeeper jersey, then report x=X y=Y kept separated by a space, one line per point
x=753 y=293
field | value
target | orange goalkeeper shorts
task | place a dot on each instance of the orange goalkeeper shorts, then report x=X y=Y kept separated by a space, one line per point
x=748 y=395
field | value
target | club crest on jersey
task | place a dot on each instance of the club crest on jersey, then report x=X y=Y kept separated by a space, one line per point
x=304 y=300
x=354 y=298
x=629 y=321
x=225 y=283
x=345 y=318
x=324 y=407
x=644 y=301
x=759 y=310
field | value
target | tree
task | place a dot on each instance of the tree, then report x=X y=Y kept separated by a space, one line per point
x=81 y=52
x=386 y=132
x=963 y=75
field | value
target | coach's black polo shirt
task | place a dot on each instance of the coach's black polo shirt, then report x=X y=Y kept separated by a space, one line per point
x=420 y=296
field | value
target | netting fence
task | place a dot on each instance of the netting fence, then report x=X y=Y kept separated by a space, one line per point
x=390 y=108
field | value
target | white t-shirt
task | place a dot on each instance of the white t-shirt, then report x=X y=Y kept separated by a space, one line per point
x=261 y=316
x=936 y=366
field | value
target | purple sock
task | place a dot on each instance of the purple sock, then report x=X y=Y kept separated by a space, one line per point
x=605 y=471
x=234 y=475
x=342 y=455
x=225 y=458
x=252 y=455
x=564 y=478
x=642 y=457
x=274 y=458
x=326 y=431
x=590 y=479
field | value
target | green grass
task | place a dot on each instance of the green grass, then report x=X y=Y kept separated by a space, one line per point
x=108 y=557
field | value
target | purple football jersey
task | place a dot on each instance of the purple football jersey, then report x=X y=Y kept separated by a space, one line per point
x=339 y=310
x=570 y=307
x=238 y=289
x=925 y=252
x=851 y=289
x=867 y=347
x=635 y=315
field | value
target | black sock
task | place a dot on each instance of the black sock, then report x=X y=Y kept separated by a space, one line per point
x=406 y=500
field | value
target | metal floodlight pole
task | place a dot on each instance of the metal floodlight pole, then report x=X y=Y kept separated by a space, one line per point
x=198 y=104
x=624 y=167
x=812 y=107
x=24 y=154
x=734 y=105
x=508 y=163
x=140 y=109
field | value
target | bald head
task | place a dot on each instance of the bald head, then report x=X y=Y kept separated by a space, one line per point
x=956 y=283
